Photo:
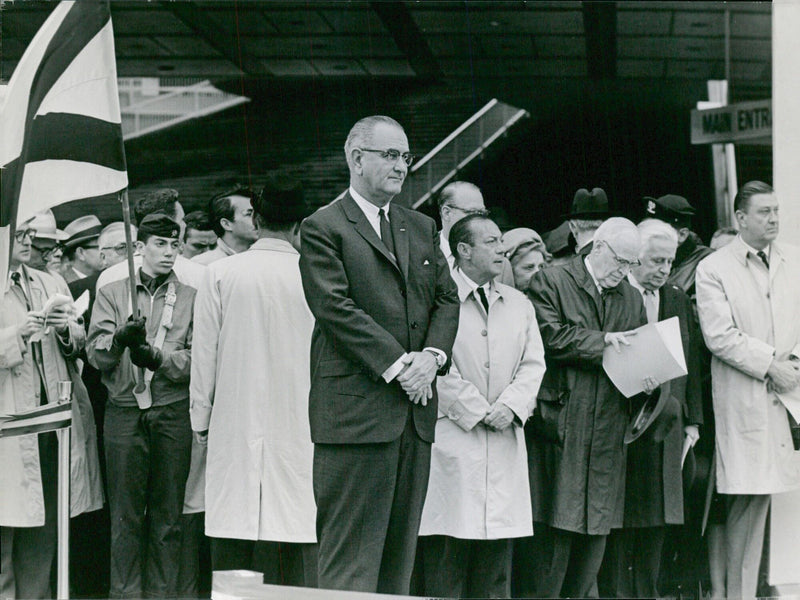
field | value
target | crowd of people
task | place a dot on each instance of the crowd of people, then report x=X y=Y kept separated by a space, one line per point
x=353 y=398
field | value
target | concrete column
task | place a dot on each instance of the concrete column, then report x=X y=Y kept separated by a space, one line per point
x=784 y=569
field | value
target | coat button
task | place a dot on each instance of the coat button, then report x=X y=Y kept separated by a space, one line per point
x=776 y=402
x=486 y=365
x=403 y=293
x=484 y=333
x=414 y=324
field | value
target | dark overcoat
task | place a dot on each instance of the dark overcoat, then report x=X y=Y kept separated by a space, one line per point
x=578 y=481
x=654 y=483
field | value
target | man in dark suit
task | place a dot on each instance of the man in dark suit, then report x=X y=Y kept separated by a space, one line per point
x=654 y=484
x=386 y=314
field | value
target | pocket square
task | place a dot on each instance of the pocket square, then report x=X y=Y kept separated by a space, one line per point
x=427 y=262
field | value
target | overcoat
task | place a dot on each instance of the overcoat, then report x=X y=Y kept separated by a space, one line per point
x=578 y=482
x=478 y=487
x=654 y=482
x=21 y=500
x=249 y=389
x=744 y=324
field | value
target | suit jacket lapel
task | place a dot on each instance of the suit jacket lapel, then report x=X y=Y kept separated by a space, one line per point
x=397 y=220
x=587 y=283
x=362 y=226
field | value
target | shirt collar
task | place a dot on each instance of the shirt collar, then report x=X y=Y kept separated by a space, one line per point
x=79 y=273
x=225 y=248
x=467 y=287
x=642 y=290
x=591 y=274
x=367 y=207
x=741 y=250
x=444 y=244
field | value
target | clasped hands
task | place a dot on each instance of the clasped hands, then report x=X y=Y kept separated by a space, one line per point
x=417 y=376
x=783 y=375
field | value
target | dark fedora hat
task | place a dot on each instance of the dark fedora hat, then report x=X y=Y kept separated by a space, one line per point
x=589 y=205
x=657 y=416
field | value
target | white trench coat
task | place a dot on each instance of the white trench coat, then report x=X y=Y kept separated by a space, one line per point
x=478 y=485
x=249 y=388
x=743 y=323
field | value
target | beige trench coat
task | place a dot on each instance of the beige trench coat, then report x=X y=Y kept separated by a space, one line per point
x=743 y=325
x=21 y=500
x=249 y=389
x=478 y=487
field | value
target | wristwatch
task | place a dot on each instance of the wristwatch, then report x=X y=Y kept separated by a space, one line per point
x=440 y=360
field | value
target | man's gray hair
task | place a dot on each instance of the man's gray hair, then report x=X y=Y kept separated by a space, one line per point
x=361 y=133
x=449 y=191
x=611 y=229
x=112 y=228
x=584 y=225
x=651 y=229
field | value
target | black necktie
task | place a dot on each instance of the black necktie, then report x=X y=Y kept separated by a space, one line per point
x=484 y=300
x=763 y=257
x=17 y=279
x=386 y=232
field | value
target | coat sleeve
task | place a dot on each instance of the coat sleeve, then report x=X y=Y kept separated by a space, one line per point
x=520 y=395
x=725 y=341
x=460 y=400
x=207 y=324
x=100 y=350
x=564 y=342
x=694 y=364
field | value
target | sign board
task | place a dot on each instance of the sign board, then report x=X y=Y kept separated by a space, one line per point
x=742 y=122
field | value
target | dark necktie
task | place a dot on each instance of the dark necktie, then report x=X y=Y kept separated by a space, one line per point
x=763 y=257
x=17 y=279
x=386 y=232
x=484 y=300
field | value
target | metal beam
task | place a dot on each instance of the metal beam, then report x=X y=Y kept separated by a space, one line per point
x=408 y=37
x=192 y=16
x=600 y=28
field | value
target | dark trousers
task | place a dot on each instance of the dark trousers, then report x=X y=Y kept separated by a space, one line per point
x=369 y=505
x=28 y=553
x=194 y=571
x=744 y=541
x=632 y=562
x=456 y=568
x=282 y=563
x=147 y=457
x=567 y=563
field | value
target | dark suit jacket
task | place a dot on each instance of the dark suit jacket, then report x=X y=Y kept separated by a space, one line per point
x=654 y=489
x=370 y=310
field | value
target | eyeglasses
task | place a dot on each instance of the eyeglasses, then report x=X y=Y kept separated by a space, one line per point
x=621 y=262
x=24 y=233
x=392 y=155
x=45 y=252
x=119 y=249
x=470 y=211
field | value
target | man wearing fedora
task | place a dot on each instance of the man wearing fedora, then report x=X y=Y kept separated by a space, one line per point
x=587 y=212
x=654 y=483
x=255 y=395
x=81 y=250
x=45 y=245
x=576 y=455
x=677 y=212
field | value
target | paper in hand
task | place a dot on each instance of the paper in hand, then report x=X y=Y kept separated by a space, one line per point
x=655 y=351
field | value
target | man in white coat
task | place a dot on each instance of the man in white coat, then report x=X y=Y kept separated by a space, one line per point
x=478 y=495
x=747 y=302
x=249 y=399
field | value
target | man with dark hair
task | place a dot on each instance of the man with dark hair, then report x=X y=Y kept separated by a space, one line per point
x=231 y=217
x=147 y=434
x=260 y=506
x=162 y=201
x=386 y=314
x=199 y=236
x=478 y=495
x=747 y=303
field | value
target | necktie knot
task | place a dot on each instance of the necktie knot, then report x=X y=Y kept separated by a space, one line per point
x=763 y=256
x=15 y=277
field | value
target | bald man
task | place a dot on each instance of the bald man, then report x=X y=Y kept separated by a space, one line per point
x=577 y=456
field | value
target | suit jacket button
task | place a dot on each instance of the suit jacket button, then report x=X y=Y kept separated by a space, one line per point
x=414 y=324
x=403 y=293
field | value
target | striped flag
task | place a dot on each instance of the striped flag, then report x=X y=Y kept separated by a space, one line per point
x=48 y=417
x=60 y=125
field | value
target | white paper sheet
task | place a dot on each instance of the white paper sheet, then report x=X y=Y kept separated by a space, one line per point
x=655 y=350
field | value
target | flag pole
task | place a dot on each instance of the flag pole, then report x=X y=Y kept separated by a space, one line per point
x=140 y=389
x=64 y=442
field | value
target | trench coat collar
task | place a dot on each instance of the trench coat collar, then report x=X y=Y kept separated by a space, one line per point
x=577 y=268
x=467 y=287
x=274 y=245
x=741 y=251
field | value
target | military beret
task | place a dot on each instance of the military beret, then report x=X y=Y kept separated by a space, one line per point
x=159 y=225
x=671 y=209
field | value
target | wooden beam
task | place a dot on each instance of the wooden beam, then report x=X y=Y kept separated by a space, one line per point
x=192 y=16
x=600 y=28
x=408 y=37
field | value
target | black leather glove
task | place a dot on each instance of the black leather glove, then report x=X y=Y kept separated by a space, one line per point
x=146 y=356
x=131 y=333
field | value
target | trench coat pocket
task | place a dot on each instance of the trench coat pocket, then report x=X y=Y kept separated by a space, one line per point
x=549 y=420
